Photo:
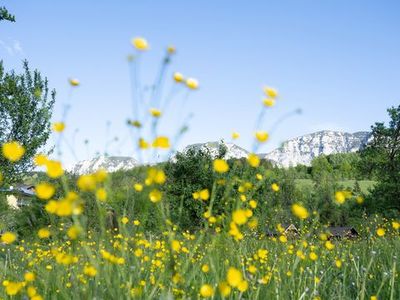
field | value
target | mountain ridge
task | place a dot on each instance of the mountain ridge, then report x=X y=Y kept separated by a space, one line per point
x=298 y=150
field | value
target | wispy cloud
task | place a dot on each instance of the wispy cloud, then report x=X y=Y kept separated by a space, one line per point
x=12 y=48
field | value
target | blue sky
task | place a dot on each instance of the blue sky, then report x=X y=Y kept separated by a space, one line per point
x=336 y=60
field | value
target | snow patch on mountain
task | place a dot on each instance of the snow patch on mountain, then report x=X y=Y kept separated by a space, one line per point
x=303 y=149
x=108 y=163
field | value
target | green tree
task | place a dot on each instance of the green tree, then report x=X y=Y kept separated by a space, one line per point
x=25 y=111
x=5 y=15
x=382 y=157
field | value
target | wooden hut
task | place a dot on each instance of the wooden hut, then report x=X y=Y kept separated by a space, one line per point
x=342 y=233
x=290 y=230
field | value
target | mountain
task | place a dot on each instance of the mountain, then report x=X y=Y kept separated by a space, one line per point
x=108 y=163
x=232 y=150
x=303 y=149
x=299 y=150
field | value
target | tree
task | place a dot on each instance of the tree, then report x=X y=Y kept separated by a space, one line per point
x=25 y=113
x=382 y=157
x=5 y=15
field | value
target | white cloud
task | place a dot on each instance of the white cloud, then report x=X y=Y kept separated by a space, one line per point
x=12 y=48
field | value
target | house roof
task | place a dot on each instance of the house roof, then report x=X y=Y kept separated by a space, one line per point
x=24 y=190
x=341 y=231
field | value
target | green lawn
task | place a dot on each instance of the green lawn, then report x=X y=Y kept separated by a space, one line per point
x=365 y=185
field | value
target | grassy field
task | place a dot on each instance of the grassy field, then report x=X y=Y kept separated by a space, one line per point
x=190 y=266
x=365 y=185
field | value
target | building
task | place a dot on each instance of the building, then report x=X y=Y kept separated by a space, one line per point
x=342 y=232
x=290 y=230
x=18 y=196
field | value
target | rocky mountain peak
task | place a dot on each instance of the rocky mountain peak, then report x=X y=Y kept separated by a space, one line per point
x=303 y=149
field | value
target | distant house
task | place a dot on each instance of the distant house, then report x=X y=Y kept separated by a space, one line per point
x=289 y=230
x=342 y=232
x=18 y=196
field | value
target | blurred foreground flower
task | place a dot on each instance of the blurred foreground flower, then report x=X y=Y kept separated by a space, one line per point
x=13 y=151
x=74 y=82
x=59 y=127
x=140 y=43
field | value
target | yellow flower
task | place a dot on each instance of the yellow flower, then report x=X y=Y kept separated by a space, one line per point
x=270 y=92
x=155 y=196
x=253 y=204
x=51 y=206
x=239 y=216
x=101 y=194
x=192 y=83
x=156 y=175
x=235 y=135
x=252 y=269
x=156 y=113
x=300 y=211
x=13 y=288
x=374 y=298
x=205 y=268
x=13 y=151
x=261 y=136
x=40 y=159
x=178 y=77
x=313 y=256
x=73 y=232
x=204 y=194
x=395 y=225
x=140 y=43
x=143 y=144
x=176 y=245
x=253 y=160
x=269 y=102
x=206 y=291
x=283 y=239
x=329 y=245
x=224 y=289
x=136 y=222
x=220 y=166
x=64 y=208
x=31 y=291
x=359 y=200
x=161 y=142
x=86 y=183
x=234 y=277
x=275 y=187
x=8 y=237
x=44 y=190
x=54 y=169
x=253 y=223
x=124 y=220
x=380 y=232
x=171 y=49
x=29 y=276
x=43 y=233
x=340 y=197
x=243 y=286
x=338 y=263
x=74 y=82
x=89 y=271
x=138 y=187
x=100 y=175
x=58 y=126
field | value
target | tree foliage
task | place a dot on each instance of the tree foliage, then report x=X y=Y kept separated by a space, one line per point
x=5 y=15
x=25 y=111
x=382 y=157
